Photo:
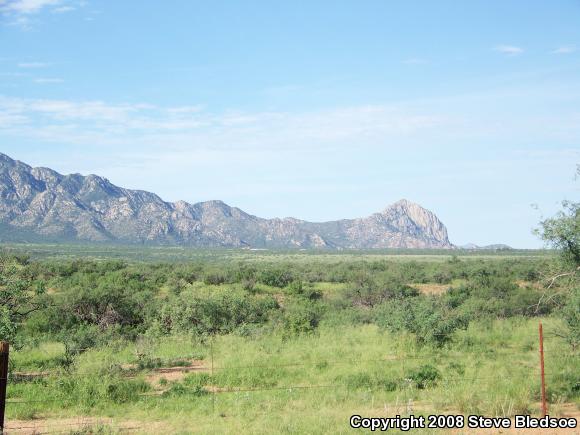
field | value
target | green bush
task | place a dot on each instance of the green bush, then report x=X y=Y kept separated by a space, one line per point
x=428 y=318
x=298 y=288
x=571 y=316
x=300 y=317
x=424 y=376
x=215 y=278
x=19 y=296
x=215 y=313
x=275 y=277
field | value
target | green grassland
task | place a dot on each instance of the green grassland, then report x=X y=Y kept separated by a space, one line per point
x=164 y=340
x=183 y=254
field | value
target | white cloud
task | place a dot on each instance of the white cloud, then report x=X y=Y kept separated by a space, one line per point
x=510 y=50
x=90 y=122
x=21 y=12
x=8 y=119
x=565 y=49
x=26 y=6
x=46 y=80
x=421 y=123
x=63 y=9
x=32 y=65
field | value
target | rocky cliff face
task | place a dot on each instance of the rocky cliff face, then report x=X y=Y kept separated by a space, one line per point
x=39 y=204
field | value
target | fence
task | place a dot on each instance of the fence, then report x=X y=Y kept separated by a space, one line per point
x=405 y=405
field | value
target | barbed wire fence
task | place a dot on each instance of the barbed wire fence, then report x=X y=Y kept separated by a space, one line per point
x=406 y=405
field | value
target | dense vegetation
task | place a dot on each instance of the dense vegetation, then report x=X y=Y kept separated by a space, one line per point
x=91 y=302
x=293 y=341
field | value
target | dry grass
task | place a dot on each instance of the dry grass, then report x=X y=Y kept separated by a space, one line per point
x=431 y=288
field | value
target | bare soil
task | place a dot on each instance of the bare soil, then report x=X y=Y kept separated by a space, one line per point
x=171 y=374
x=47 y=425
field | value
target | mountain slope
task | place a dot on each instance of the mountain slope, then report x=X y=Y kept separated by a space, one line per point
x=39 y=204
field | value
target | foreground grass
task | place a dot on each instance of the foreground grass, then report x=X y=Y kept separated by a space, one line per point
x=264 y=383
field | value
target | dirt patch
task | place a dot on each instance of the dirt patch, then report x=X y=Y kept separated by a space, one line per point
x=568 y=410
x=172 y=374
x=51 y=425
x=27 y=376
x=526 y=284
x=214 y=389
x=391 y=357
x=431 y=288
x=280 y=299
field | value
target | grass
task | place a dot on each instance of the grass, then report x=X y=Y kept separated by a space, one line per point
x=491 y=369
x=139 y=253
x=259 y=380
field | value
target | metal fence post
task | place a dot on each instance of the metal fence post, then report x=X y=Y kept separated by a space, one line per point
x=542 y=374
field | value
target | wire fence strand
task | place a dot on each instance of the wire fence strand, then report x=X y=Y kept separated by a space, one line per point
x=220 y=390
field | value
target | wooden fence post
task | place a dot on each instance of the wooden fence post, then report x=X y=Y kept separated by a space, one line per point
x=542 y=374
x=4 y=350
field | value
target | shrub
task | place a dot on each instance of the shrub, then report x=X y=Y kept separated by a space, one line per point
x=18 y=296
x=216 y=313
x=298 y=288
x=249 y=284
x=571 y=316
x=214 y=278
x=276 y=277
x=301 y=317
x=424 y=376
x=428 y=318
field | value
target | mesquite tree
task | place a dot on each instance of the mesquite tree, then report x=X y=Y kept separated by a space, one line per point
x=563 y=233
x=19 y=297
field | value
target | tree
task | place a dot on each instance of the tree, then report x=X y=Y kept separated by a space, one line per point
x=18 y=297
x=563 y=233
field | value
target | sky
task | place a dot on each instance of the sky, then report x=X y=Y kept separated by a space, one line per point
x=319 y=110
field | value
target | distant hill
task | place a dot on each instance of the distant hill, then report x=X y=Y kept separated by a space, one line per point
x=39 y=204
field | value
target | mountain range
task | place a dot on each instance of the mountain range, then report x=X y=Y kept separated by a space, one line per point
x=39 y=204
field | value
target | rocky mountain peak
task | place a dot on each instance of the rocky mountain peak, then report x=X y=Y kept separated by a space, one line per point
x=42 y=205
x=405 y=206
x=5 y=159
x=411 y=218
x=7 y=162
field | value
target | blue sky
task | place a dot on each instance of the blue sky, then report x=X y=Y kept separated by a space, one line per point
x=314 y=109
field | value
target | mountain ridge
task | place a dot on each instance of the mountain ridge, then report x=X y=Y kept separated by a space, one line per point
x=41 y=203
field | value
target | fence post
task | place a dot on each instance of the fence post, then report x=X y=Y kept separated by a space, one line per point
x=4 y=350
x=213 y=389
x=542 y=374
